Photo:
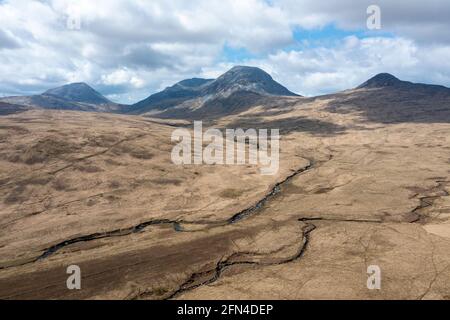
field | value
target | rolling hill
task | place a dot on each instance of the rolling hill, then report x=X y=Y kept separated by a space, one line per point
x=74 y=96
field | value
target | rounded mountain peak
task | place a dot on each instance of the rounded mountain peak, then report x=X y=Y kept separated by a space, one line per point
x=246 y=73
x=381 y=80
x=244 y=78
x=79 y=92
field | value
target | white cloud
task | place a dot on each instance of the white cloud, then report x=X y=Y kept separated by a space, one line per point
x=148 y=38
x=423 y=21
x=129 y=49
x=122 y=77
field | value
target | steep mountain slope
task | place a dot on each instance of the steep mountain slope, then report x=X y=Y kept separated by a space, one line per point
x=74 y=96
x=235 y=91
x=171 y=96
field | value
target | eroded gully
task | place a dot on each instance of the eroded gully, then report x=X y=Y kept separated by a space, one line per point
x=176 y=224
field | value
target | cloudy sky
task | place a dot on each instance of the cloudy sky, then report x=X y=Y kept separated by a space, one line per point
x=130 y=49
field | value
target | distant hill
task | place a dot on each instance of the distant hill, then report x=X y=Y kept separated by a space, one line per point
x=234 y=91
x=387 y=99
x=7 y=108
x=388 y=81
x=74 y=96
x=78 y=92
x=381 y=80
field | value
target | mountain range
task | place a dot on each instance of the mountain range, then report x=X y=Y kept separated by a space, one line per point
x=235 y=91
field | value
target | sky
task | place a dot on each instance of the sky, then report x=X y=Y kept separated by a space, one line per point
x=128 y=50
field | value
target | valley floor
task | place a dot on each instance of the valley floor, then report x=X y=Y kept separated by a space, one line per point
x=100 y=191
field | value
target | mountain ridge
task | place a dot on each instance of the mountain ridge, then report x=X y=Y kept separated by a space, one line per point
x=237 y=90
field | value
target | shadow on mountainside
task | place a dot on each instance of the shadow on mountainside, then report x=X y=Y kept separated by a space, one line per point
x=414 y=104
x=288 y=125
x=216 y=108
x=7 y=109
